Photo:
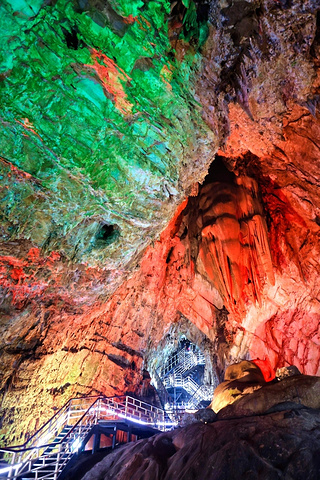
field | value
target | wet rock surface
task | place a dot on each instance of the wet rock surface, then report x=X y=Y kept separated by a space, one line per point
x=301 y=389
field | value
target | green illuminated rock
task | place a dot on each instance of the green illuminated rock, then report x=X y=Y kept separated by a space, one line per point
x=98 y=125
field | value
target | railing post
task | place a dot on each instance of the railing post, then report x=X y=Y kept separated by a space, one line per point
x=126 y=406
x=69 y=413
x=97 y=412
x=56 y=467
x=10 y=476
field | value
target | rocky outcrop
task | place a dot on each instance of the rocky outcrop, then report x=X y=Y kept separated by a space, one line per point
x=89 y=150
x=241 y=379
x=245 y=392
x=258 y=434
x=281 y=445
x=300 y=389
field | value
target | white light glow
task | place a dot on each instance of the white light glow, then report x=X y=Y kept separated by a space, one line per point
x=61 y=421
x=8 y=469
x=76 y=445
x=149 y=424
x=43 y=440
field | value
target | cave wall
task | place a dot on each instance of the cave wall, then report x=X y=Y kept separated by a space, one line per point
x=258 y=84
x=98 y=123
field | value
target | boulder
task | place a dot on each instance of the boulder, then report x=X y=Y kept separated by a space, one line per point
x=241 y=379
x=284 y=372
x=205 y=415
x=299 y=389
x=244 y=371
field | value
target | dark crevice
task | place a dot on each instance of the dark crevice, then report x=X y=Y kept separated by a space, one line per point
x=107 y=234
x=126 y=348
x=218 y=172
x=184 y=233
x=316 y=41
x=59 y=390
x=119 y=360
x=169 y=255
x=71 y=38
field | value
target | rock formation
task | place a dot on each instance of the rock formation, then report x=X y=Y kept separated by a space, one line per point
x=241 y=448
x=159 y=176
x=245 y=392
x=240 y=379
x=258 y=434
x=234 y=251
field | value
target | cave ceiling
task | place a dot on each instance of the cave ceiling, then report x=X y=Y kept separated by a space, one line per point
x=159 y=173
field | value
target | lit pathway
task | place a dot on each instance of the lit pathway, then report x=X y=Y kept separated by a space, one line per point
x=46 y=454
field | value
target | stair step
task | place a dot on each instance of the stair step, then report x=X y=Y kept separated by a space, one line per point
x=43 y=468
x=52 y=458
x=51 y=461
x=58 y=447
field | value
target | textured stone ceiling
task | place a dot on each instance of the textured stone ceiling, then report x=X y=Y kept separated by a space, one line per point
x=116 y=236
x=98 y=121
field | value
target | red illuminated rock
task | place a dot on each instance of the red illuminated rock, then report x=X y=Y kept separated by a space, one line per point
x=234 y=249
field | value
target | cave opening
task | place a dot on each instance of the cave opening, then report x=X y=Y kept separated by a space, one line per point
x=183 y=377
x=107 y=234
x=218 y=172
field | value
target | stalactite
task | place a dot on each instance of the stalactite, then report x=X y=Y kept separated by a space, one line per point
x=234 y=248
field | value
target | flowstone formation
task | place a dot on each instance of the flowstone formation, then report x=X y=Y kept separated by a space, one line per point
x=112 y=114
x=234 y=252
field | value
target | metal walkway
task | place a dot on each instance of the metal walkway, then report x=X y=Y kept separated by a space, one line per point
x=176 y=374
x=47 y=453
x=185 y=359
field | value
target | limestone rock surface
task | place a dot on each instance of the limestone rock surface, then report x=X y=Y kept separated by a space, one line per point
x=241 y=379
x=277 y=446
x=300 y=389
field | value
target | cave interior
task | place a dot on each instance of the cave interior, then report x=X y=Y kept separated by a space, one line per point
x=159 y=192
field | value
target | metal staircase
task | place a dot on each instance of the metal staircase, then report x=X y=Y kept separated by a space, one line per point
x=46 y=454
x=177 y=380
x=176 y=374
x=51 y=450
x=184 y=360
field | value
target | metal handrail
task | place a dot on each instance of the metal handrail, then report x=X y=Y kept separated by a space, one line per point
x=29 y=454
x=24 y=458
x=183 y=359
x=36 y=434
x=188 y=383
